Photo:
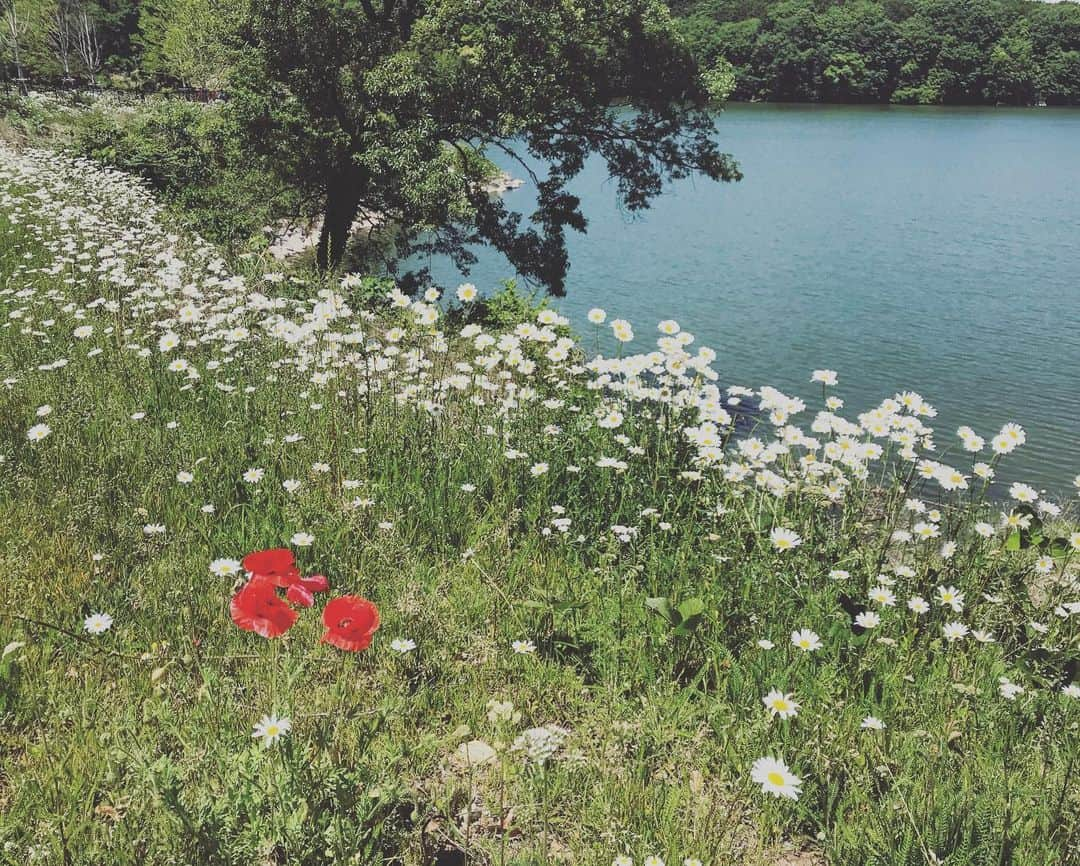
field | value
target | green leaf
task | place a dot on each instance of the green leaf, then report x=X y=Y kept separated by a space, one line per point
x=663 y=607
x=691 y=607
x=1057 y=547
x=692 y=613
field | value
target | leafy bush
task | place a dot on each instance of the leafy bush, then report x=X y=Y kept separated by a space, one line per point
x=190 y=153
x=26 y=118
x=507 y=307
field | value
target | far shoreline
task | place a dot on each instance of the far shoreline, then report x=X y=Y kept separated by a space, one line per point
x=887 y=106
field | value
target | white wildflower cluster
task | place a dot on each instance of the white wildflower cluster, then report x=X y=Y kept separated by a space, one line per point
x=540 y=745
x=200 y=321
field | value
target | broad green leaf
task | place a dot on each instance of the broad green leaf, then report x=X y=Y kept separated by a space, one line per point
x=663 y=607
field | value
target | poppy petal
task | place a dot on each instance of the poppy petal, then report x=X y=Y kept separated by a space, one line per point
x=348 y=644
x=279 y=564
x=350 y=622
x=316 y=583
x=256 y=607
x=299 y=594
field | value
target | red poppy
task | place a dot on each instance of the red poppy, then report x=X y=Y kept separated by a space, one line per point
x=278 y=564
x=256 y=607
x=350 y=622
x=301 y=592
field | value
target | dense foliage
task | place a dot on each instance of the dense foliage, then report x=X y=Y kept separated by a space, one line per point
x=388 y=112
x=194 y=155
x=906 y=51
x=191 y=154
x=1014 y=52
x=58 y=40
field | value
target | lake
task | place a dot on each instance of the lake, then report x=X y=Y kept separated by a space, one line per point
x=932 y=249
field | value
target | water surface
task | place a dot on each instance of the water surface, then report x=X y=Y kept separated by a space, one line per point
x=933 y=249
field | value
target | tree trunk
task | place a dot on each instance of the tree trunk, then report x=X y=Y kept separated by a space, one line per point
x=18 y=62
x=342 y=203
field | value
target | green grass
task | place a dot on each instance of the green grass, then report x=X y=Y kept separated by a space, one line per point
x=135 y=746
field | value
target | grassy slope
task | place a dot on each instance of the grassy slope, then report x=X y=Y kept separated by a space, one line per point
x=134 y=746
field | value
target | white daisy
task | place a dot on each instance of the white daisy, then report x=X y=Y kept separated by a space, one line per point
x=775 y=778
x=98 y=623
x=270 y=729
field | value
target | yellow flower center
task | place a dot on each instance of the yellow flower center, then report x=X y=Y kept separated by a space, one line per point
x=775 y=778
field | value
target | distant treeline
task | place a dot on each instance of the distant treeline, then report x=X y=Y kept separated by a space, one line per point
x=1014 y=52
x=127 y=44
x=906 y=51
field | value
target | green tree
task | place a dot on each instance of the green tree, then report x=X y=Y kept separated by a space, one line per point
x=24 y=40
x=190 y=41
x=731 y=42
x=155 y=17
x=858 y=52
x=786 y=51
x=390 y=107
x=720 y=79
x=1011 y=69
x=723 y=10
x=946 y=47
x=1055 y=36
x=115 y=23
x=1058 y=81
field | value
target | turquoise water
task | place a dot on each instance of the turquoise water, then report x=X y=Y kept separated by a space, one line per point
x=932 y=249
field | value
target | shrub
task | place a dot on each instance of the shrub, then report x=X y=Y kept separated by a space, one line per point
x=189 y=152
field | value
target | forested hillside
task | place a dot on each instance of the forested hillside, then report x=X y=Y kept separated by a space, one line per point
x=906 y=51
x=1011 y=52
